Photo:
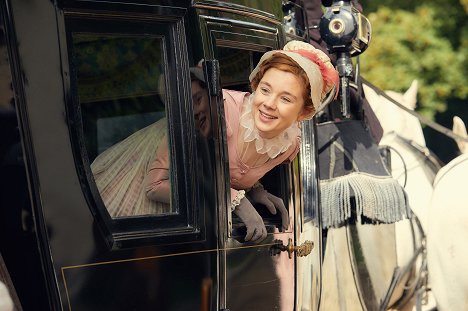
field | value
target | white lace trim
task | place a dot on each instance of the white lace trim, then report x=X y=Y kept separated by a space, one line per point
x=271 y=146
x=236 y=201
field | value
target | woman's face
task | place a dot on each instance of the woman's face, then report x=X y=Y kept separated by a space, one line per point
x=278 y=102
x=200 y=108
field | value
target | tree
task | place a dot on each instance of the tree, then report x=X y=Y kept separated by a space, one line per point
x=418 y=44
x=428 y=41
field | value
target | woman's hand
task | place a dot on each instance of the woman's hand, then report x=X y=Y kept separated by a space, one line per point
x=273 y=203
x=256 y=231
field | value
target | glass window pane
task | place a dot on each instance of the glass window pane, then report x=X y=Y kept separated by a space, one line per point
x=121 y=83
x=236 y=66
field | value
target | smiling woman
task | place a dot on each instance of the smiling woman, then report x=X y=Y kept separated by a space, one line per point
x=289 y=86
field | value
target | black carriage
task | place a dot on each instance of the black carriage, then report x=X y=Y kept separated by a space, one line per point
x=80 y=76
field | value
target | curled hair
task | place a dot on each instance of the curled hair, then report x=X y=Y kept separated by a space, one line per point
x=283 y=62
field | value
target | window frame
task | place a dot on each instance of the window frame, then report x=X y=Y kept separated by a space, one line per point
x=308 y=170
x=185 y=225
x=235 y=34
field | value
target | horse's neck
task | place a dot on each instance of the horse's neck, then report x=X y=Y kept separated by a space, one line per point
x=411 y=170
x=409 y=160
x=454 y=166
x=403 y=124
x=402 y=146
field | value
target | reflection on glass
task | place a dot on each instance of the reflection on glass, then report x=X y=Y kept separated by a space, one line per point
x=121 y=93
x=201 y=108
x=236 y=65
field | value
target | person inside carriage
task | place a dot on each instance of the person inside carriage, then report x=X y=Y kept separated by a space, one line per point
x=263 y=131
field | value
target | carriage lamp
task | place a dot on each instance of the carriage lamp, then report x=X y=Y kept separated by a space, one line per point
x=347 y=33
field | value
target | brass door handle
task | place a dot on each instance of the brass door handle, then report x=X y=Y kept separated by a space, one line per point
x=301 y=251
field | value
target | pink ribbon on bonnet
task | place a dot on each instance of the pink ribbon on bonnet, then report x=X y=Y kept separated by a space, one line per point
x=329 y=74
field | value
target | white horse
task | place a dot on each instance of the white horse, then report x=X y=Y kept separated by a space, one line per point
x=387 y=251
x=448 y=223
x=413 y=165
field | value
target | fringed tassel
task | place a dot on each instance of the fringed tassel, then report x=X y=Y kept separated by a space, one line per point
x=379 y=198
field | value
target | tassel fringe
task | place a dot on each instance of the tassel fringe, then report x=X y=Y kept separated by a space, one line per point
x=379 y=198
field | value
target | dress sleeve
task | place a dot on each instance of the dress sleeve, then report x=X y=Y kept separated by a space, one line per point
x=157 y=184
x=236 y=197
x=228 y=102
x=233 y=102
x=233 y=194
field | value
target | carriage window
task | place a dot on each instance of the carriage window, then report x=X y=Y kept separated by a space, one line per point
x=236 y=66
x=121 y=90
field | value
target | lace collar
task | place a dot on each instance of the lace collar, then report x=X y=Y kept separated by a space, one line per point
x=271 y=146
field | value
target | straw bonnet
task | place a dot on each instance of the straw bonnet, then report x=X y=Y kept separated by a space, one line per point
x=317 y=66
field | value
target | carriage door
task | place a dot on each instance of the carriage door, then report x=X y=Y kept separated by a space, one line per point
x=257 y=276
x=254 y=279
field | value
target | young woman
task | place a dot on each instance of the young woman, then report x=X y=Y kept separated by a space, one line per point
x=289 y=86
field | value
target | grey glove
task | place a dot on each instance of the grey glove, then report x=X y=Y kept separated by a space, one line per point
x=256 y=231
x=273 y=203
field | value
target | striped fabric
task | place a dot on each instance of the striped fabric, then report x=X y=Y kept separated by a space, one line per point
x=120 y=171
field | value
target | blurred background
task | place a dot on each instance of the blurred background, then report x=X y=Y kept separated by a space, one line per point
x=428 y=41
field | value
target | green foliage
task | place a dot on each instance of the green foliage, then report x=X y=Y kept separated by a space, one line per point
x=420 y=41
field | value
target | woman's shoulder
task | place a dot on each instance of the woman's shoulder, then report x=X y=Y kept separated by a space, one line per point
x=234 y=97
x=294 y=149
x=233 y=102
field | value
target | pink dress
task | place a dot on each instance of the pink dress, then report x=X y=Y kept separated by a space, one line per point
x=242 y=175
